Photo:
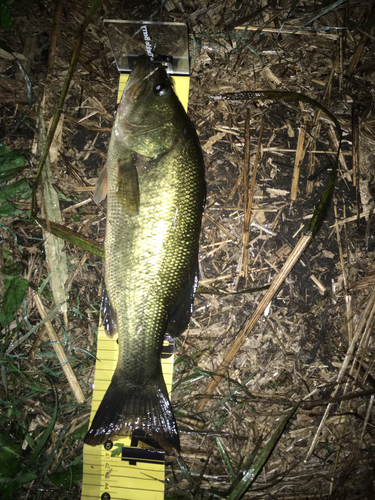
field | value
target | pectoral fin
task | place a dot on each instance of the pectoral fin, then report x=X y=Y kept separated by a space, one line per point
x=101 y=186
x=127 y=185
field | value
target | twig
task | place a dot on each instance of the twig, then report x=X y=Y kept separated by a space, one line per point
x=69 y=283
x=37 y=342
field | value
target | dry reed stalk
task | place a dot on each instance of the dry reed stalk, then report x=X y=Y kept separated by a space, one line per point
x=356 y=157
x=220 y=226
x=353 y=381
x=315 y=131
x=300 y=154
x=342 y=161
x=367 y=417
x=348 y=297
x=326 y=35
x=363 y=346
x=353 y=218
x=246 y=168
x=341 y=59
x=311 y=164
x=355 y=138
x=249 y=202
x=65 y=365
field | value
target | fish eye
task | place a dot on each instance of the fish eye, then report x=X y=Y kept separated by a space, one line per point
x=161 y=89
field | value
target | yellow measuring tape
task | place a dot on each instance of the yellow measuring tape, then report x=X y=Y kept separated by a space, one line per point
x=125 y=469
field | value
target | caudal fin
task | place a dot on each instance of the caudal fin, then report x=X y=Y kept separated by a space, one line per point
x=127 y=406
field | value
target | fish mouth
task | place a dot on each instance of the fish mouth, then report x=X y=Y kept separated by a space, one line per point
x=134 y=89
x=138 y=79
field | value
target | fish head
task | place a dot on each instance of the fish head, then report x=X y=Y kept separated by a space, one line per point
x=150 y=115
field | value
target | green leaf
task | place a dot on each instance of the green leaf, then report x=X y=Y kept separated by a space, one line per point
x=8 y=472
x=12 y=268
x=3 y=149
x=26 y=478
x=69 y=478
x=72 y=237
x=9 y=460
x=251 y=469
x=19 y=190
x=185 y=471
x=225 y=457
x=63 y=197
x=8 y=210
x=6 y=18
x=14 y=292
x=10 y=163
x=19 y=341
x=42 y=441
x=117 y=450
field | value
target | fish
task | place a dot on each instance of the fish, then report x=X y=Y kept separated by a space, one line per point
x=155 y=187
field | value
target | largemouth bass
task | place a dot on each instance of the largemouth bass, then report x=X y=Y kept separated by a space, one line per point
x=154 y=180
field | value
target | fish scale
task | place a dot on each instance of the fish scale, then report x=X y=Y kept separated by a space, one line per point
x=155 y=183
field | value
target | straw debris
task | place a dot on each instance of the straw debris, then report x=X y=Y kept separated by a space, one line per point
x=263 y=337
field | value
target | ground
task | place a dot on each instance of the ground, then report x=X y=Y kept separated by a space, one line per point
x=313 y=342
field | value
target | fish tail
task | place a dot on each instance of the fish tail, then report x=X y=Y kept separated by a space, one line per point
x=127 y=405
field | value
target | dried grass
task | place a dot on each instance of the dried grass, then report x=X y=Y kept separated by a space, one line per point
x=314 y=343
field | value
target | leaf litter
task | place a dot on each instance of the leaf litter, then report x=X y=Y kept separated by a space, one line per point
x=313 y=344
